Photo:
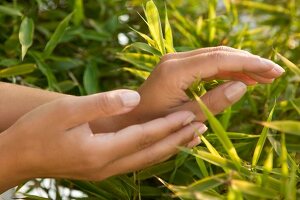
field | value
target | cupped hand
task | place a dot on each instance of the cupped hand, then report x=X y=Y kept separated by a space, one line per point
x=164 y=90
x=55 y=140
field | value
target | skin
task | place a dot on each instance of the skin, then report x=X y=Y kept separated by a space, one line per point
x=97 y=136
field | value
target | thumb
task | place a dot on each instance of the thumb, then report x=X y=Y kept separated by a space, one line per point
x=78 y=110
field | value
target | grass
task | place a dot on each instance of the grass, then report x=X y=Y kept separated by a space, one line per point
x=251 y=150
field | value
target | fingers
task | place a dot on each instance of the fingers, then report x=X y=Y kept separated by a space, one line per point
x=157 y=152
x=137 y=137
x=185 y=54
x=77 y=110
x=220 y=63
x=217 y=99
x=210 y=65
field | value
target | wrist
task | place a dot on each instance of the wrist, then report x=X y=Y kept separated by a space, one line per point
x=11 y=163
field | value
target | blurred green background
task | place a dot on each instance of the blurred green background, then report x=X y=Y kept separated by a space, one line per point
x=82 y=47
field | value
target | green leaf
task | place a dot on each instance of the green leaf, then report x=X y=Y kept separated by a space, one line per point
x=78 y=12
x=168 y=34
x=90 y=78
x=10 y=11
x=45 y=69
x=154 y=24
x=261 y=140
x=208 y=183
x=286 y=126
x=17 y=70
x=26 y=34
x=220 y=132
x=139 y=73
x=268 y=164
x=211 y=17
x=146 y=47
x=253 y=189
x=57 y=35
x=264 y=6
x=146 y=37
x=289 y=64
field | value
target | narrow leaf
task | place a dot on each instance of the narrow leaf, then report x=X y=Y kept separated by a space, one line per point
x=168 y=34
x=17 y=70
x=26 y=34
x=10 y=11
x=220 y=132
x=289 y=64
x=57 y=35
x=286 y=126
x=261 y=141
x=154 y=24
x=253 y=189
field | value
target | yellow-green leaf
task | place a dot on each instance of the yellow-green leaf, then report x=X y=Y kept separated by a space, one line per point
x=154 y=24
x=10 y=11
x=17 y=70
x=168 y=34
x=261 y=141
x=253 y=189
x=57 y=35
x=26 y=34
x=286 y=126
x=220 y=132
x=289 y=64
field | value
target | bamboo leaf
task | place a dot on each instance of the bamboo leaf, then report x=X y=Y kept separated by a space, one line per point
x=261 y=141
x=289 y=64
x=90 y=78
x=145 y=47
x=26 y=34
x=168 y=34
x=10 y=11
x=220 y=132
x=78 y=12
x=253 y=189
x=211 y=17
x=17 y=70
x=154 y=24
x=57 y=35
x=263 y=6
x=139 y=73
x=286 y=126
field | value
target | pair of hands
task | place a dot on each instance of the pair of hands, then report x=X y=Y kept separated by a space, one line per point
x=55 y=139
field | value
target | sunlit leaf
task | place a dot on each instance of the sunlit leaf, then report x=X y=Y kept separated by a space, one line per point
x=286 y=126
x=17 y=70
x=26 y=34
x=57 y=35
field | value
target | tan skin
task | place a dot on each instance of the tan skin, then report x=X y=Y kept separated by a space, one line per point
x=47 y=134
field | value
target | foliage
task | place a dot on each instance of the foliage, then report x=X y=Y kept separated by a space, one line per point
x=252 y=149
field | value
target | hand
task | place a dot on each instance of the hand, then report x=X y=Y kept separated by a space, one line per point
x=164 y=91
x=55 y=140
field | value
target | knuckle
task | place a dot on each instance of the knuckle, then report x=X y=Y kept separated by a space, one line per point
x=146 y=139
x=106 y=104
x=167 y=57
x=217 y=56
x=166 y=68
x=223 y=48
x=64 y=105
x=150 y=159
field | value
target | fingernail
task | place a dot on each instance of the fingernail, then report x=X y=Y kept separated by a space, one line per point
x=130 y=98
x=235 y=91
x=196 y=141
x=189 y=119
x=200 y=130
x=277 y=67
